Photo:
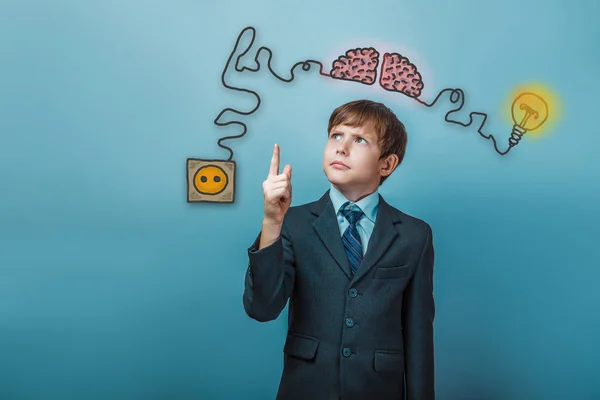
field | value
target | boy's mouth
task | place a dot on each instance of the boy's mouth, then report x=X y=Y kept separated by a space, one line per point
x=339 y=164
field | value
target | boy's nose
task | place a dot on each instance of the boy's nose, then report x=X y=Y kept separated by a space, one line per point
x=342 y=148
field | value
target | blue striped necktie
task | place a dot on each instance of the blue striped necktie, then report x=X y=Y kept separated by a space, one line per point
x=351 y=238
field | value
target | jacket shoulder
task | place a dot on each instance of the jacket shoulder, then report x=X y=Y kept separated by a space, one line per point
x=300 y=213
x=412 y=222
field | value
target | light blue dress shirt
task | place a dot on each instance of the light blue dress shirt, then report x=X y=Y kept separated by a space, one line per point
x=366 y=224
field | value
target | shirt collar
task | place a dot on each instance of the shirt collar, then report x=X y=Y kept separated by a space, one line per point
x=367 y=204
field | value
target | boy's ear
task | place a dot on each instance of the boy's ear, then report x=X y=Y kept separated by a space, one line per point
x=388 y=165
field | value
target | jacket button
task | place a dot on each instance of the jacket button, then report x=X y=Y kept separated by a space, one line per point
x=353 y=293
x=346 y=352
x=349 y=322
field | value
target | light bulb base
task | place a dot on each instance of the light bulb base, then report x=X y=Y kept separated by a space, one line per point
x=516 y=135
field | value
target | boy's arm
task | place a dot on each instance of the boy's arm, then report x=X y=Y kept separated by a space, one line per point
x=417 y=327
x=270 y=275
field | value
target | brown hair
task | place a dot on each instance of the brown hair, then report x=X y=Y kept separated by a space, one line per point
x=390 y=131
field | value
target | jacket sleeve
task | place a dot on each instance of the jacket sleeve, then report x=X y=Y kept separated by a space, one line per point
x=417 y=326
x=269 y=278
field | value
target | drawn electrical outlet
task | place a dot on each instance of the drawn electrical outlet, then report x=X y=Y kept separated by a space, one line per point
x=211 y=181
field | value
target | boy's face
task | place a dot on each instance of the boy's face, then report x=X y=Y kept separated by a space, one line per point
x=351 y=159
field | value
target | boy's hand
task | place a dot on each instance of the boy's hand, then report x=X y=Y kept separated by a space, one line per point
x=277 y=189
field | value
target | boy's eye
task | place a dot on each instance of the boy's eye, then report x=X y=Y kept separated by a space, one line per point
x=336 y=135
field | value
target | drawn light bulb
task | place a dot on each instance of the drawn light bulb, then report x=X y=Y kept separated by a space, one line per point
x=529 y=112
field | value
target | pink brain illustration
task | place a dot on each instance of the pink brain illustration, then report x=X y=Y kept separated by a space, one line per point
x=398 y=74
x=357 y=65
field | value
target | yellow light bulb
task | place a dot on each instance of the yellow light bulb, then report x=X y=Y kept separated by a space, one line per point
x=529 y=112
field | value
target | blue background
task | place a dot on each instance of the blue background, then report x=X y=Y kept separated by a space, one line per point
x=113 y=286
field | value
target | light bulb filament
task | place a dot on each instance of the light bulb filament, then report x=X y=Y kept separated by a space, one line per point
x=529 y=111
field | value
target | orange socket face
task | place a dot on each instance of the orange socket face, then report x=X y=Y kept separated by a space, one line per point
x=210 y=179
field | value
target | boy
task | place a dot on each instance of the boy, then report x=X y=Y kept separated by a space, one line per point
x=358 y=273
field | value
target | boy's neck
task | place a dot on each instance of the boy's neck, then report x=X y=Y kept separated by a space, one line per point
x=354 y=194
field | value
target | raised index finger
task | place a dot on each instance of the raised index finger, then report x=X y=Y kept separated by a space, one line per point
x=274 y=169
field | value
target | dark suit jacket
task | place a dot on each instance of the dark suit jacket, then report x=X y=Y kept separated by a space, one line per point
x=353 y=337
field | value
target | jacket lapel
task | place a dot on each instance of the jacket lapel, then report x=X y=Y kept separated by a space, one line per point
x=381 y=239
x=328 y=230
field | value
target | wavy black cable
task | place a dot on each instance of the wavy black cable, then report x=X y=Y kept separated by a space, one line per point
x=457 y=95
x=306 y=65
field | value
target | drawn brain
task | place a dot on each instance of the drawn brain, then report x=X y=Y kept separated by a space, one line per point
x=357 y=65
x=398 y=74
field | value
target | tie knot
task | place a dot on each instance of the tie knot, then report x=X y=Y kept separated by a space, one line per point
x=352 y=212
